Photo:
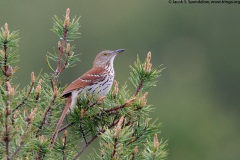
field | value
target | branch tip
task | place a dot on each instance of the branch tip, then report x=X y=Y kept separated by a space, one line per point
x=6 y=32
x=143 y=99
x=67 y=18
x=115 y=90
x=41 y=139
x=155 y=141
x=135 y=151
x=32 y=77
x=129 y=102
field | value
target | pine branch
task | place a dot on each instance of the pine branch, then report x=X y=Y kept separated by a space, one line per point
x=61 y=47
x=87 y=144
x=29 y=121
x=39 y=154
x=82 y=131
x=26 y=98
x=134 y=152
x=93 y=138
x=117 y=108
x=7 y=128
x=65 y=127
x=132 y=141
x=5 y=61
x=114 y=149
x=47 y=111
x=64 y=145
x=8 y=88
x=61 y=50
x=139 y=86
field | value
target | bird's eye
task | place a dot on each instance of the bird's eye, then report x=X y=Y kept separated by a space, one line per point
x=105 y=54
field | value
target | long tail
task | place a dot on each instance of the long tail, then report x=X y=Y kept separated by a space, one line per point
x=68 y=104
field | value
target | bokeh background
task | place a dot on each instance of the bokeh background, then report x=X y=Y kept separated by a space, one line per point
x=198 y=95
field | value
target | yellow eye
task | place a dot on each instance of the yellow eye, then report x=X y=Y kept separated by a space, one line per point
x=105 y=54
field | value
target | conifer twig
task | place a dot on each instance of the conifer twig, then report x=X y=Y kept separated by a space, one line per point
x=93 y=138
x=5 y=47
x=29 y=121
x=64 y=145
x=26 y=98
x=139 y=86
x=7 y=128
x=65 y=127
x=47 y=111
x=139 y=136
x=114 y=149
x=114 y=109
x=135 y=151
x=82 y=131
x=63 y=42
x=87 y=144
x=39 y=155
x=7 y=113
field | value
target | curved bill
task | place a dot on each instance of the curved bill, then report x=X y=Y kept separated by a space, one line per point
x=119 y=50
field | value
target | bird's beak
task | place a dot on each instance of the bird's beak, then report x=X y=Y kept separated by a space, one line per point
x=119 y=50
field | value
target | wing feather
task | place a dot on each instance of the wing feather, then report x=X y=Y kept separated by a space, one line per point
x=89 y=78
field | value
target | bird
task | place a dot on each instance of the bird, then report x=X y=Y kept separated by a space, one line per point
x=97 y=81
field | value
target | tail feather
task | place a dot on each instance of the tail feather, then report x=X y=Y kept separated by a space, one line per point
x=68 y=104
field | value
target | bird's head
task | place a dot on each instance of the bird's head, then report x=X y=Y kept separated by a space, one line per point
x=106 y=58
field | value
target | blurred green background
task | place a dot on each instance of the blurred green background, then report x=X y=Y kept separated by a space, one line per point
x=197 y=98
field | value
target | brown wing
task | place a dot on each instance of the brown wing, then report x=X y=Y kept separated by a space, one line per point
x=88 y=78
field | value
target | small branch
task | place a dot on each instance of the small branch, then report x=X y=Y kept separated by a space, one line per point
x=40 y=151
x=61 y=50
x=87 y=144
x=5 y=60
x=29 y=121
x=102 y=154
x=7 y=128
x=26 y=98
x=65 y=127
x=115 y=109
x=114 y=149
x=7 y=113
x=139 y=86
x=139 y=136
x=83 y=132
x=17 y=150
x=45 y=114
x=39 y=155
x=133 y=156
x=93 y=138
x=64 y=145
x=65 y=64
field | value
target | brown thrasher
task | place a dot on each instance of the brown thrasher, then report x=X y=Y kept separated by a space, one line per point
x=96 y=81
